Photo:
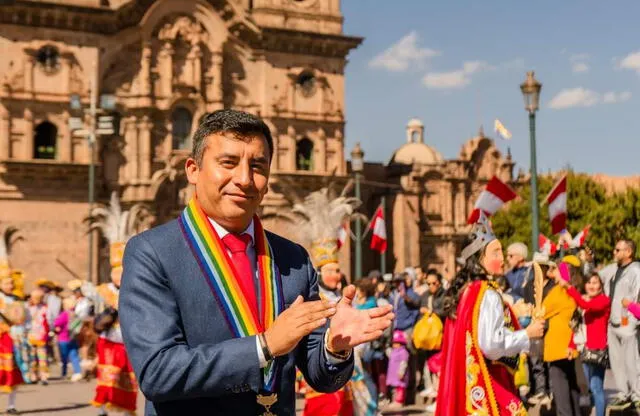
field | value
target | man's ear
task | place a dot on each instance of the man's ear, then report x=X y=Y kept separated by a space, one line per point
x=192 y=169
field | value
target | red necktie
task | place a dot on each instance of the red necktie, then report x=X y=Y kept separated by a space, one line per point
x=237 y=245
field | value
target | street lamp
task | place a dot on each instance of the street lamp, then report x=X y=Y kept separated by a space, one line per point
x=98 y=125
x=531 y=92
x=357 y=166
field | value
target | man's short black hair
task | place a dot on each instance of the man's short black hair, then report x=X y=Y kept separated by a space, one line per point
x=436 y=273
x=238 y=123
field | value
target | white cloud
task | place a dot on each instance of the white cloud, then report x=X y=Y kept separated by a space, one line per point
x=446 y=80
x=578 y=62
x=574 y=97
x=612 y=97
x=458 y=78
x=582 y=97
x=631 y=61
x=579 y=67
x=404 y=53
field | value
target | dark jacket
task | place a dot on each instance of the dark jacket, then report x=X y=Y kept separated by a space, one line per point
x=184 y=355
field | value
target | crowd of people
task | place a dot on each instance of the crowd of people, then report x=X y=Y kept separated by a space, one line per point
x=589 y=311
x=73 y=326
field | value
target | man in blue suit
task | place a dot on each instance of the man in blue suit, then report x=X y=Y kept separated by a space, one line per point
x=215 y=312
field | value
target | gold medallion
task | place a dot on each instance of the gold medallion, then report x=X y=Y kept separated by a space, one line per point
x=267 y=401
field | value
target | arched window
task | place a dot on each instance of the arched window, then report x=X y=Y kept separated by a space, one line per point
x=44 y=142
x=304 y=154
x=181 y=120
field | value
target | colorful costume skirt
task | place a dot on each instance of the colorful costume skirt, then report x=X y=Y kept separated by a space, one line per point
x=117 y=388
x=10 y=375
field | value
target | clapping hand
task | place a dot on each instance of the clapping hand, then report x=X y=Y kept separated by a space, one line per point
x=351 y=327
x=296 y=322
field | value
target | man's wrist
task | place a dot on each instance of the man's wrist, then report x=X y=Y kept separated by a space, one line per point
x=341 y=355
x=265 y=347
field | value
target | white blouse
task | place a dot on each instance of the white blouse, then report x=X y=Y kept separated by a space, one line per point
x=495 y=339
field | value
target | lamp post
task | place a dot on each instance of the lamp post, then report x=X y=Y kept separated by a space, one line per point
x=357 y=166
x=97 y=125
x=531 y=92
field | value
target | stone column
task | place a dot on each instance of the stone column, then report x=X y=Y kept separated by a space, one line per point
x=144 y=140
x=27 y=137
x=5 y=133
x=165 y=58
x=28 y=74
x=214 y=86
x=196 y=63
x=320 y=165
x=291 y=145
x=64 y=144
x=340 y=162
x=461 y=203
x=145 y=70
x=130 y=149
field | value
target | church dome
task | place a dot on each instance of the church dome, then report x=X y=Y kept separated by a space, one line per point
x=411 y=153
x=415 y=150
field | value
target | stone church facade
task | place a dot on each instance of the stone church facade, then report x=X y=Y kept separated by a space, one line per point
x=429 y=198
x=162 y=64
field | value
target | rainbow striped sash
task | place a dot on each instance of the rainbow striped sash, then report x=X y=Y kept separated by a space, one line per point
x=223 y=279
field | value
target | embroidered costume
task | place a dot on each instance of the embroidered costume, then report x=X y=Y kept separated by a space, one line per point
x=481 y=346
x=116 y=387
x=317 y=221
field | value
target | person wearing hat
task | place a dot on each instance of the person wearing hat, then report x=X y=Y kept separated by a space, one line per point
x=116 y=384
x=483 y=339
x=38 y=336
x=12 y=313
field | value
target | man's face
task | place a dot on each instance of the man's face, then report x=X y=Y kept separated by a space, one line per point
x=433 y=283
x=420 y=275
x=232 y=178
x=622 y=252
x=330 y=275
x=514 y=259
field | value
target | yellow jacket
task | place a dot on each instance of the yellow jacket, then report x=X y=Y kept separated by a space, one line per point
x=559 y=308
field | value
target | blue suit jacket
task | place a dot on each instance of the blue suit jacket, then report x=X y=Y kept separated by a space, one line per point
x=183 y=353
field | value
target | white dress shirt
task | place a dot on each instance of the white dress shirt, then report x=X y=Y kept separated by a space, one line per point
x=496 y=340
x=253 y=261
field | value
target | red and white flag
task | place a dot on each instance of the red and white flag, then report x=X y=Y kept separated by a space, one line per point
x=581 y=237
x=494 y=196
x=547 y=246
x=557 y=200
x=379 y=235
x=342 y=235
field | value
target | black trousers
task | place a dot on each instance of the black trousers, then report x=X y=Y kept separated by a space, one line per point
x=564 y=385
x=539 y=375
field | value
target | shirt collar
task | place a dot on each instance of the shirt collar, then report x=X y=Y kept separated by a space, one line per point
x=222 y=232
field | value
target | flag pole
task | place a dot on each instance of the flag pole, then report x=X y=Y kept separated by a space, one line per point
x=383 y=259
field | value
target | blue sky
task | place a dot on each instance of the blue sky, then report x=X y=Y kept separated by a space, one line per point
x=456 y=65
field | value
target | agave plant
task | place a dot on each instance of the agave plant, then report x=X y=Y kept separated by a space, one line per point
x=9 y=237
x=320 y=214
x=115 y=224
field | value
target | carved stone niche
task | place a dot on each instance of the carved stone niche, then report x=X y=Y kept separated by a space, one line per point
x=180 y=54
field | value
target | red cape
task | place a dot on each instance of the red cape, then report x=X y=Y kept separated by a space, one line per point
x=469 y=383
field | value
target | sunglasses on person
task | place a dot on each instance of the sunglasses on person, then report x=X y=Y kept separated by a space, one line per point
x=432 y=283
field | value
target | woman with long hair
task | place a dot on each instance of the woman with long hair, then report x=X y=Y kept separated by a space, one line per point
x=482 y=339
x=596 y=308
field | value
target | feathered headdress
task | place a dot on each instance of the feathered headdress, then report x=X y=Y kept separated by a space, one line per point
x=316 y=219
x=8 y=238
x=116 y=225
